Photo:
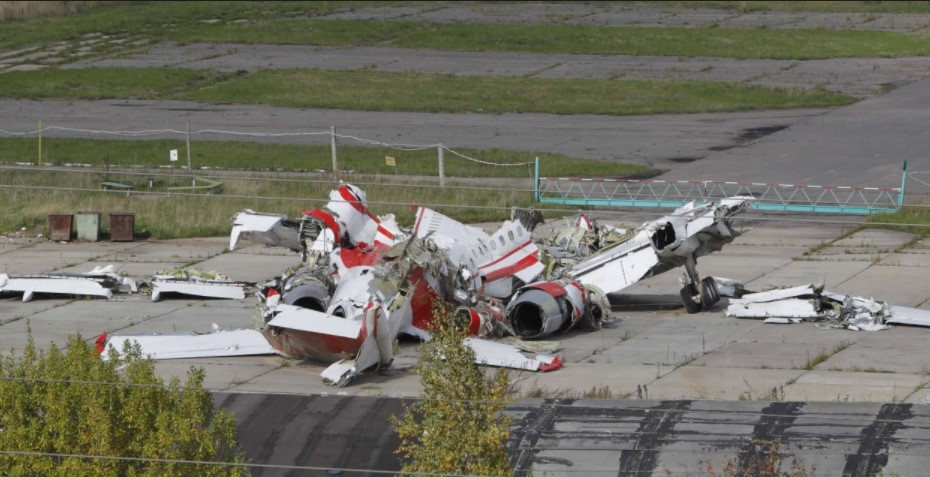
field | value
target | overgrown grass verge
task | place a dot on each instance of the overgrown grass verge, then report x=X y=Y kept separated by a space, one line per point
x=29 y=197
x=256 y=156
x=800 y=6
x=914 y=220
x=295 y=23
x=794 y=44
x=105 y=83
x=382 y=91
x=365 y=90
x=159 y=20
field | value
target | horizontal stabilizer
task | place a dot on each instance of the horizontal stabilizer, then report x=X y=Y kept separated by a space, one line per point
x=191 y=345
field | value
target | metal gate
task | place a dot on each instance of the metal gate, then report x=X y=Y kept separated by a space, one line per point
x=578 y=191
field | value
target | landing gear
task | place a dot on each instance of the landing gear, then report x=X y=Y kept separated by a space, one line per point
x=699 y=293
x=708 y=290
x=689 y=298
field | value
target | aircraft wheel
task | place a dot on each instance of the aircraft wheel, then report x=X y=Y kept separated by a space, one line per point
x=688 y=294
x=709 y=293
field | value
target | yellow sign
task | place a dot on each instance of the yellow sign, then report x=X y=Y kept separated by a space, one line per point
x=390 y=161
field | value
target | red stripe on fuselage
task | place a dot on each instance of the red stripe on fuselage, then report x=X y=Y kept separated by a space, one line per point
x=507 y=255
x=507 y=271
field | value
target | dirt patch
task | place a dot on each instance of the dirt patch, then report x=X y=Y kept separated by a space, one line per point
x=751 y=134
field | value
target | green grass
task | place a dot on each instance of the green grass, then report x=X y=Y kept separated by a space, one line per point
x=757 y=43
x=300 y=32
x=254 y=156
x=914 y=220
x=366 y=90
x=157 y=20
x=295 y=23
x=796 y=44
x=29 y=197
x=104 y=83
x=814 y=6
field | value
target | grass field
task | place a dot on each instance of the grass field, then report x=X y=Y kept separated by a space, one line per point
x=810 y=6
x=30 y=196
x=294 y=22
x=255 y=156
x=381 y=91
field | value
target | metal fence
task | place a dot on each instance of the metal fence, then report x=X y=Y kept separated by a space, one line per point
x=803 y=198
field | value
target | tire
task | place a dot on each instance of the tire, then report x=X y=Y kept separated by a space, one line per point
x=709 y=293
x=688 y=294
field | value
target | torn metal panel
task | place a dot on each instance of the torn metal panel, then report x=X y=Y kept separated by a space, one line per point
x=192 y=345
x=202 y=288
x=618 y=267
x=778 y=294
x=100 y=282
x=190 y=281
x=503 y=355
x=729 y=287
x=782 y=321
x=833 y=310
x=902 y=315
x=786 y=308
x=267 y=229
x=302 y=319
x=29 y=285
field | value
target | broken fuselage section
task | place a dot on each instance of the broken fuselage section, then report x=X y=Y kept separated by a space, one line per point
x=364 y=280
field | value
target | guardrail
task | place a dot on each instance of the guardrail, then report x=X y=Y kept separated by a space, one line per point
x=671 y=194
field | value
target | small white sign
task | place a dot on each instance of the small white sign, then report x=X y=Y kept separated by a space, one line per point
x=174 y=155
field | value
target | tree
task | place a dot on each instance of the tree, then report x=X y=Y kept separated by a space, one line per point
x=456 y=427
x=73 y=404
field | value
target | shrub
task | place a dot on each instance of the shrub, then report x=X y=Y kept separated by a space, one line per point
x=67 y=412
x=456 y=427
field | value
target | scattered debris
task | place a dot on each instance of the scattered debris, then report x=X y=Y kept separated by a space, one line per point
x=830 y=310
x=190 y=281
x=364 y=280
x=217 y=342
x=100 y=282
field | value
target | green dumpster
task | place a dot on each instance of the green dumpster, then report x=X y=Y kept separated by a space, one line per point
x=88 y=226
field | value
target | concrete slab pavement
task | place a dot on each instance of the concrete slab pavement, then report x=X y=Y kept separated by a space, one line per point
x=654 y=343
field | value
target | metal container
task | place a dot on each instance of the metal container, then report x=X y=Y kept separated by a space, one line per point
x=121 y=227
x=59 y=227
x=88 y=226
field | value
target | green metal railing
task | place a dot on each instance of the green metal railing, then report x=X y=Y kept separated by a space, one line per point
x=578 y=191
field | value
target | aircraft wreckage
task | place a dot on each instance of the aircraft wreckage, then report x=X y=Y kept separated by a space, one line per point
x=830 y=310
x=363 y=280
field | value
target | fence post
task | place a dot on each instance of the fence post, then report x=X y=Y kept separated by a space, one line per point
x=903 y=183
x=40 y=143
x=190 y=168
x=442 y=168
x=536 y=181
x=332 y=134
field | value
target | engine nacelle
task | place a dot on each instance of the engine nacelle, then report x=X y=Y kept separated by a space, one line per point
x=484 y=320
x=540 y=309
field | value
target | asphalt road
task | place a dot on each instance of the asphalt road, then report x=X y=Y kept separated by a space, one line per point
x=864 y=144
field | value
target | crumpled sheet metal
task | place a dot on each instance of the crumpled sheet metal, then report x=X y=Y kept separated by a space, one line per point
x=830 y=310
x=100 y=282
